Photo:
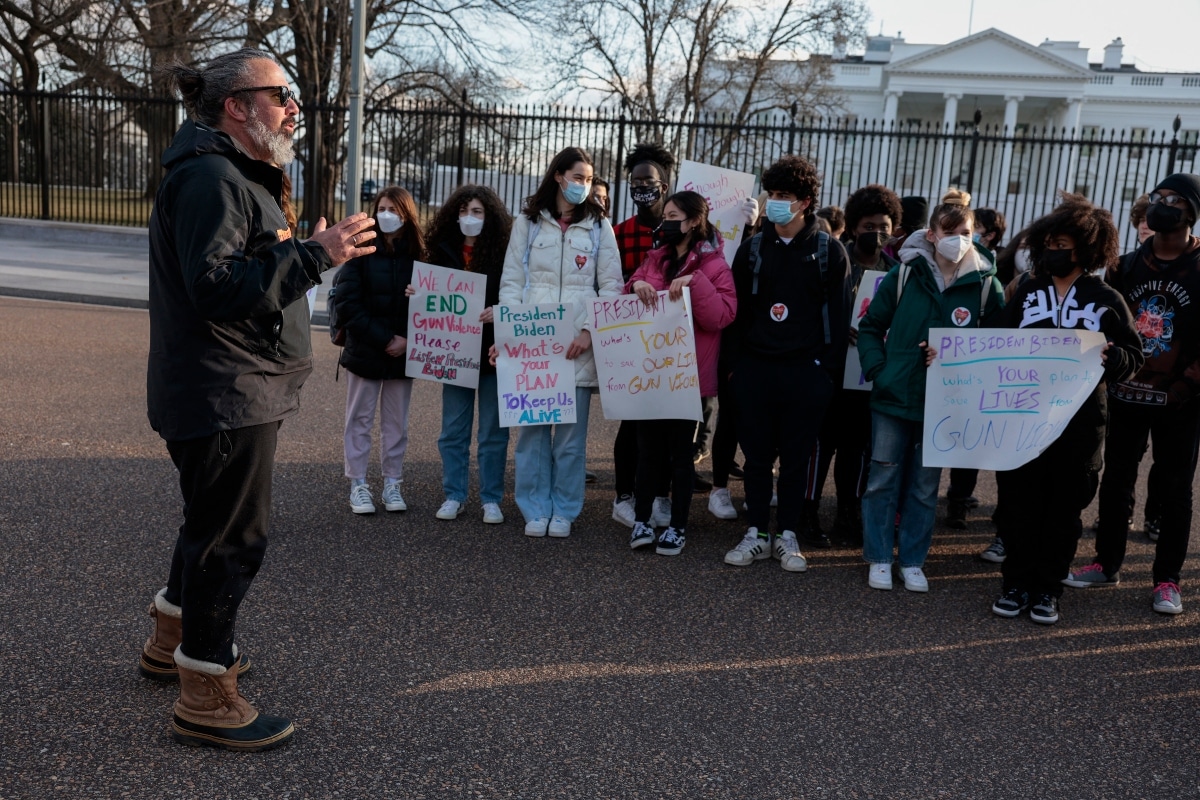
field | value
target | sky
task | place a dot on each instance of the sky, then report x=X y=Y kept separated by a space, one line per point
x=1093 y=23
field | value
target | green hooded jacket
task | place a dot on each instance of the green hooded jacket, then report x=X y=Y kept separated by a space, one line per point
x=890 y=335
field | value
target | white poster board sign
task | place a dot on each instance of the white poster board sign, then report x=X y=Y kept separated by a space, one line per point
x=725 y=190
x=535 y=381
x=867 y=287
x=996 y=398
x=445 y=335
x=646 y=357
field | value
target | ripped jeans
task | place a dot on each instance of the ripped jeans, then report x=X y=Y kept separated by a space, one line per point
x=898 y=482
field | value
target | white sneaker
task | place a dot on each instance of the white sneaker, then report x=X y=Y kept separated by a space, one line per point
x=660 y=517
x=750 y=549
x=360 y=499
x=880 y=577
x=623 y=511
x=392 y=501
x=492 y=514
x=559 y=527
x=537 y=527
x=720 y=506
x=787 y=552
x=449 y=510
x=914 y=579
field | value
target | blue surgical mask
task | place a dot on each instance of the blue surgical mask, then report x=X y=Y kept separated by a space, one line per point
x=976 y=237
x=575 y=193
x=780 y=211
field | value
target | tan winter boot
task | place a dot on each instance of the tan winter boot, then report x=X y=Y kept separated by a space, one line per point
x=158 y=654
x=212 y=712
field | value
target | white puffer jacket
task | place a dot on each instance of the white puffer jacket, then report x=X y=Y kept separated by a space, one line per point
x=562 y=270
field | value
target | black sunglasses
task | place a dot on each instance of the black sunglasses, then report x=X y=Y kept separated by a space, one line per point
x=282 y=93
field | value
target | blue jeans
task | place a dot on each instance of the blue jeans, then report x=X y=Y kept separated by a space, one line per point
x=549 y=463
x=458 y=412
x=898 y=481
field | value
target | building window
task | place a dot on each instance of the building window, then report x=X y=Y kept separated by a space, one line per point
x=1014 y=187
x=1129 y=194
x=1136 y=135
x=1083 y=189
x=1088 y=134
x=1187 y=145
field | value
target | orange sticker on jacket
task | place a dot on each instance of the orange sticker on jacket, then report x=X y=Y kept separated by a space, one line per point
x=284 y=234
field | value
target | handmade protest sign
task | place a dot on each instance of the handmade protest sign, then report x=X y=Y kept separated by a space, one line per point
x=995 y=399
x=535 y=382
x=867 y=287
x=445 y=335
x=646 y=357
x=725 y=190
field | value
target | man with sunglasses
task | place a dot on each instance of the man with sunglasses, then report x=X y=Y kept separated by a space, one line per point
x=229 y=350
x=1161 y=285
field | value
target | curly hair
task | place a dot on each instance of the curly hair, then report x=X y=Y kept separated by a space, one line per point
x=654 y=154
x=491 y=242
x=1092 y=228
x=796 y=175
x=870 y=200
x=1137 y=214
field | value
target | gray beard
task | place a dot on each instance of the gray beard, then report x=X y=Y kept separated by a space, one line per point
x=276 y=144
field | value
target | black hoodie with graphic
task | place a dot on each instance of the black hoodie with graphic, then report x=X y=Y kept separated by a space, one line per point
x=229 y=324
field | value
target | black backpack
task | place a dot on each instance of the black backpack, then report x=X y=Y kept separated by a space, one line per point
x=337 y=325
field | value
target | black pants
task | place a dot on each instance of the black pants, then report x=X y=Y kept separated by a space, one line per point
x=847 y=432
x=669 y=441
x=1049 y=494
x=962 y=483
x=704 y=428
x=724 y=446
x=780 y=409
x=1175 y=433
x=625 y=462
x=226 y=484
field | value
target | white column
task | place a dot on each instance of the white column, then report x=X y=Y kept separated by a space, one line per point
x=949 y=125
x=1011 y=102
x=1071 y=123
x=891 y=103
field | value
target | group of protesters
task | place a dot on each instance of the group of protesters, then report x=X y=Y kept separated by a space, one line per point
x=230 y=348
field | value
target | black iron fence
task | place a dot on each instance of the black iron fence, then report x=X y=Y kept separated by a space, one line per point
x=93 y=158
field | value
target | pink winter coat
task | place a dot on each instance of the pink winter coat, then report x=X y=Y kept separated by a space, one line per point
x=714 y=301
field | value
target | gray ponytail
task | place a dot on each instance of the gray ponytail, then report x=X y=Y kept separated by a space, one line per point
x=204 y=90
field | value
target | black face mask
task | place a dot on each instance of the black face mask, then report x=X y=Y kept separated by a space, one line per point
x=1164 y=218
x=870 y=243
x=645 y=196
x=1057 y=263
x=671 y=232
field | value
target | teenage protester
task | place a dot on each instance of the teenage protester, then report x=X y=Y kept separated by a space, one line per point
x=871 y=214
x=600 y=194
x=835 y=218
x=373 y=301
x=648 y=171
x=687 y=258
x=944 y=280
x=229 y=351
x=1159 y=285
x=470 y=232
x=990 y=227
x=789 y=337
x=561 y=250
x=914 y=217
x=1067 y=247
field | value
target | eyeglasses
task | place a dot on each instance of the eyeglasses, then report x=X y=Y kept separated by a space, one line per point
x=1168 y=199
x=644 y=182
x=283 y=94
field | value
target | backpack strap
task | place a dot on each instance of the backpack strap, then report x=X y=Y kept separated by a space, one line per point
x=901 y=279
x=755 y=260
x=596 y=255
x=984 y=293
x=533 y=226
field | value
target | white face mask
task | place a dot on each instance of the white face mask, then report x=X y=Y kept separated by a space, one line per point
x=953 y=247
x=388 y=222
x=469 y=225
x=1021 y=261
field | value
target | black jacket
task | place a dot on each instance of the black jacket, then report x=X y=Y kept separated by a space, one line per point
x=229 y=327
x=445 y=254
x=783 y=320
x=372 y=302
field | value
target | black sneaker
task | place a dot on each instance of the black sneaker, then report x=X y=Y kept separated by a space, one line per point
x=847 y=526
x=1152 y=528
x=810 y=527
x=995 y=552
x=956 y=514
x=642 y=535
x=670 y=542
x=1045 y=610
x=736 y=472
x=1011 y=603
x=700 y=485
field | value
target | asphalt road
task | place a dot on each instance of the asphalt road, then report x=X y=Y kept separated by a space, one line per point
x=428 y=659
